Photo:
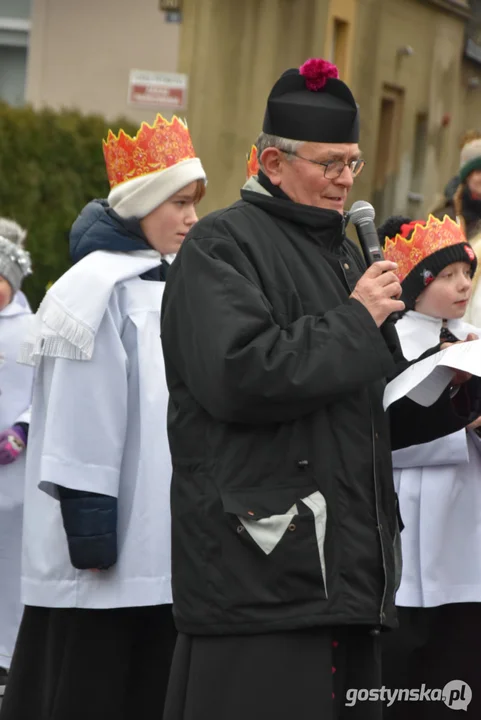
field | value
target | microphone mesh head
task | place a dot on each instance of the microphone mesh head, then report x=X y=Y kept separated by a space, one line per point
x=361 y=211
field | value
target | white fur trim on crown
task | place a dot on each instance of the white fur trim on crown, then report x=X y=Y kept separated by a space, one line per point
x=139 y=196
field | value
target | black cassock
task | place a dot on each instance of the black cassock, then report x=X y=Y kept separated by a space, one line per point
x=302 y=674
x=77 y=664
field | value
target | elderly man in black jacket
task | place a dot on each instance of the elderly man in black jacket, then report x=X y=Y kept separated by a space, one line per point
x=285 y=531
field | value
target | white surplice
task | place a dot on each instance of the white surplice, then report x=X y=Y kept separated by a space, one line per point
x=99 y=424
x=439 y=488
x=15 y=395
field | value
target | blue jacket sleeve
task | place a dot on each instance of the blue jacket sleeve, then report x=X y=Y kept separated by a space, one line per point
x=90 y=522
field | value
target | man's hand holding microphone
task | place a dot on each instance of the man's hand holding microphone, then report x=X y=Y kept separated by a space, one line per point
x=379 y=291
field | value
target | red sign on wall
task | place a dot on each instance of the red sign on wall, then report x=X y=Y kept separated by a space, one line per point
x=159 y=90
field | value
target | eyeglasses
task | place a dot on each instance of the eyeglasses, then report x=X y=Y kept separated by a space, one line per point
x=333 y=168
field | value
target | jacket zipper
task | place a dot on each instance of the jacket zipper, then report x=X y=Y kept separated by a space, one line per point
x=376 y=495
x=379 y=526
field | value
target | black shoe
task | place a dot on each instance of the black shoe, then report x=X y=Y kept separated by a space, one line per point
x=3 y=680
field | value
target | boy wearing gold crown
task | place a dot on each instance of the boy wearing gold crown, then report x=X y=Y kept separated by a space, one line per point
x=98 y=645
x=438 y=484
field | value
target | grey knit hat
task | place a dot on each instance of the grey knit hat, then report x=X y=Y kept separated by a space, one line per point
x=15 y=263
x=470 y=158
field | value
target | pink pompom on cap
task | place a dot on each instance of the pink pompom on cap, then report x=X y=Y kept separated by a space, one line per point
x=317 y=72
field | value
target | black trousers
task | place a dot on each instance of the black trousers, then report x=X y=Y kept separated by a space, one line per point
x=299 y=674
x=434 y=646
x=77 y=664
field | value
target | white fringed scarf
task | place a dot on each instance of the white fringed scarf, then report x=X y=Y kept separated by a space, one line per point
x=70 y=314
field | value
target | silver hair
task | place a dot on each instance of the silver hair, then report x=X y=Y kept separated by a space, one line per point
x=12 y=231
x=265 y=141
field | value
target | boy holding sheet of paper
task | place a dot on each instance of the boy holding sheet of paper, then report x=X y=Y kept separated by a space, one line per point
x=438 y=484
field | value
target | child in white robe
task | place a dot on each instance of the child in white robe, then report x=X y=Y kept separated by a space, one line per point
x=97 y=634
x=438 y=485
x=15 y=396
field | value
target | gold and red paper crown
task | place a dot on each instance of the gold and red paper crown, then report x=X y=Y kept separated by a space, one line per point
x=426 y=239
x=252 y=163
x=155 y=147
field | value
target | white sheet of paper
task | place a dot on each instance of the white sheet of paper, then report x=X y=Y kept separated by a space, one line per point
x=424 y=381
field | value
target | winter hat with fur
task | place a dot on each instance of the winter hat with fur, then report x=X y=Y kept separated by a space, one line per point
x=470 y=159
x=15 y=263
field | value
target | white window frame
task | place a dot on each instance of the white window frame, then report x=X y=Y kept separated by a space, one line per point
x=14 y=32
x=15 y=24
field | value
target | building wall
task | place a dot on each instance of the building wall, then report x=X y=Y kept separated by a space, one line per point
x=413 y=106
x=233 y=52
x=13 y=63
x=471 y=94
x=15 y=9
x=81 y=53
x=340 y=33
x=402 y=58
x=14 y=39
x=422 y=149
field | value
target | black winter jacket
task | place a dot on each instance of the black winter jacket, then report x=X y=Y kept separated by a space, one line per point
x=276 y=379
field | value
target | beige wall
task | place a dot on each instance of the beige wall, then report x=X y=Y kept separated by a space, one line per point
x=233 y=52
x=431 y=81
x=471 y=95
x=81 y=53
x=344 y=11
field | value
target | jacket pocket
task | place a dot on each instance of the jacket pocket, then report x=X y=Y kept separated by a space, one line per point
x=267 y=515
x=262 y=513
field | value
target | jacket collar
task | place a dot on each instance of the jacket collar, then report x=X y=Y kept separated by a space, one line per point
x=327 y=226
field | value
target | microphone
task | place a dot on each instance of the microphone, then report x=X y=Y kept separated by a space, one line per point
x=362 y=215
